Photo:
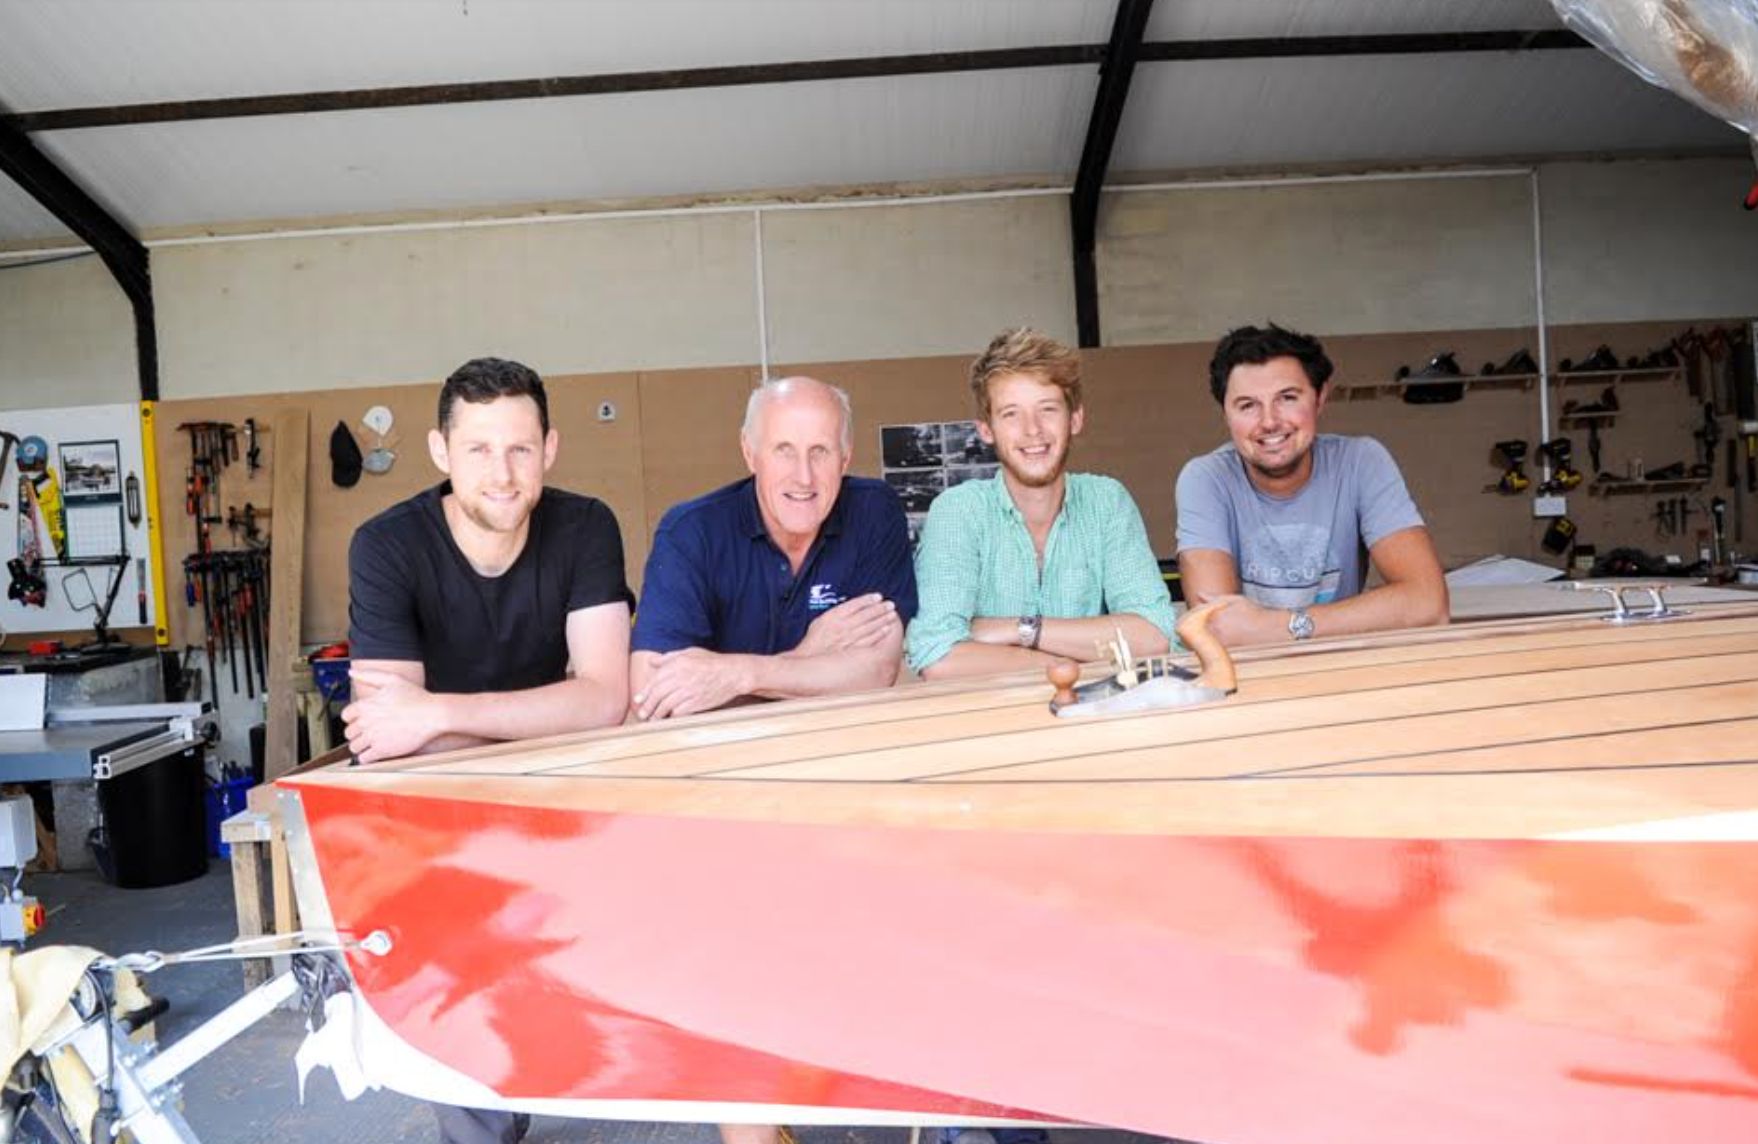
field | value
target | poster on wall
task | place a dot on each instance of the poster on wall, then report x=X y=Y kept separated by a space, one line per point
x=923 y=460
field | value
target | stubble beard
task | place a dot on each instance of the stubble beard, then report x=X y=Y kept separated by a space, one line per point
x=1032 y=480
x=490 y=521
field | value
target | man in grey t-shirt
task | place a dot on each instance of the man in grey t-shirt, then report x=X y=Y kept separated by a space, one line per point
x=1284 y=516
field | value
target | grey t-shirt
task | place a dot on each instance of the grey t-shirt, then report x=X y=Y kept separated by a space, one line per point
x=1306 y=549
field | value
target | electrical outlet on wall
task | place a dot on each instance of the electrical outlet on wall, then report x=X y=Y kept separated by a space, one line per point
x=1549 y=506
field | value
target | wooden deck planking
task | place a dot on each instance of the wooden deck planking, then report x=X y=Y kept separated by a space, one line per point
x=1328 y=741
x=1436 y=805
x=1295 y=705
x=1565 y=727
x=688 y=749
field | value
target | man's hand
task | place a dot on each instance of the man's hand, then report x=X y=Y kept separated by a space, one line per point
x=392 y=716
x=864 y=621
x=685 y=682
x=1246 y=622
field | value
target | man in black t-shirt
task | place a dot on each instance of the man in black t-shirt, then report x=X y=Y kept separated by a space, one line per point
x=488 y=607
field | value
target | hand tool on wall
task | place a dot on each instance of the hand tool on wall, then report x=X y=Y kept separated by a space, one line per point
x=1718 y=518
x=1688 y=346
x=195 y=591
x=212 y=446
x=1513 y=479
x=1708 y=436
x=45 y=494
x=1717 y=359
x=1749 y=431
x=231 y=586
x=1665 y=522
x=7 y=443
x=131 y=499
x=27 y=585
x=1559 y=452
x=1518 y=362
x=246 y=525
x=1429 y=385
x=252 y=453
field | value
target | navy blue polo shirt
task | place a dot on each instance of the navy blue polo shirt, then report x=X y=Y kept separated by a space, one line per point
x=715 y=580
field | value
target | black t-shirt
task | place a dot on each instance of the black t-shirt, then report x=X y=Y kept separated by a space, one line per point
x=412 y=595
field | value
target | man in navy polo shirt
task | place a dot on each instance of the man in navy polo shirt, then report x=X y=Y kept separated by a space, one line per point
x=797 y=580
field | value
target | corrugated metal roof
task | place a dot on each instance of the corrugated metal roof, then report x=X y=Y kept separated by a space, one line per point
x=61 y=53
x=1395 y=109
x=935 y=127
x=1231 y=19
x=57 y=54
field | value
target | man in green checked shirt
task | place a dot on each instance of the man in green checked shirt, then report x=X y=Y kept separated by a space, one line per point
x=1034 y=564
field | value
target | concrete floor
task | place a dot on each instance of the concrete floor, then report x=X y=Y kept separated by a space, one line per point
x=248 y=1091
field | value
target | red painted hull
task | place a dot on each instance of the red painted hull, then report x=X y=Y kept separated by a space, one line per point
x=1246 y=990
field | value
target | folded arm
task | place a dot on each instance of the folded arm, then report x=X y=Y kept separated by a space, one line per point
x=393 y=714
x=855 y=646
x=1413 y=595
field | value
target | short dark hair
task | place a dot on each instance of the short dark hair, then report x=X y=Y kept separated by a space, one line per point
x=1253 y=345
x=482 y=380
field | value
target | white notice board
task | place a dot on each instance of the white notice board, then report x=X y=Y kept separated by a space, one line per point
x=96 y=504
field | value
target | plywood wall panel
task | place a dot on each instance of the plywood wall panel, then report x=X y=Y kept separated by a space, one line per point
x=675 y=436
x=601 y=459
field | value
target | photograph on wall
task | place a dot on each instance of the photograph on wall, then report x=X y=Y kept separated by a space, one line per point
x=912 y=446
x=965 y=446
x=91 y=471
x=917 y=488
x=923 y=460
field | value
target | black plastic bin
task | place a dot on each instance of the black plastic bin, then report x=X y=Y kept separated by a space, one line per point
x=152 y=830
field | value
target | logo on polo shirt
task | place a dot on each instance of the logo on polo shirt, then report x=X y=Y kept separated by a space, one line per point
x=823 y=597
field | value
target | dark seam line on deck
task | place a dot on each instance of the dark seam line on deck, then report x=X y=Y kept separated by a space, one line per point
x=1265 y=703
x=742 y=771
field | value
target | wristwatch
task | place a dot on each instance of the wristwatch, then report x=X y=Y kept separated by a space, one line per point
x=1030 y=629
x=1299 y=624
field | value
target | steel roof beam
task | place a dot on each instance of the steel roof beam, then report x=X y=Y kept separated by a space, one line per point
x=1069 y=55
x=1118 y=68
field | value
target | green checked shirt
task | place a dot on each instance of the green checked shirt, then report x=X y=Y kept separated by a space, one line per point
x=976 y=559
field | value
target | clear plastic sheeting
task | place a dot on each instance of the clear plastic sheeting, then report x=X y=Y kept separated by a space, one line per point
x=1703 y=50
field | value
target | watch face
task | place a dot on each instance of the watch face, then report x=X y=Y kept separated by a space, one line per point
x=1300 y=625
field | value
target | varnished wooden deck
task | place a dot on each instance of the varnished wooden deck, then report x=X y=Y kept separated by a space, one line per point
x=1510 y=729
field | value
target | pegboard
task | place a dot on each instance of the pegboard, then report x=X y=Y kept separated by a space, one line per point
x=101 y=445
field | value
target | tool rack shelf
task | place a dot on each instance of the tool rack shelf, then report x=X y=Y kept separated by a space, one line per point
x=1564 y=379
x=1649 y=488
x=1605 y=418
x=1371 y=390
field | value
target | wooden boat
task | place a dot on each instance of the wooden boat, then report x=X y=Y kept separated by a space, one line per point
x=1495 y=881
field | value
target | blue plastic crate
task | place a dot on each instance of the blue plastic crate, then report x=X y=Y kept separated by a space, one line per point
x=331 y=677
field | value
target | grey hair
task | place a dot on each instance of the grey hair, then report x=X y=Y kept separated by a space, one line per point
x=781 y=387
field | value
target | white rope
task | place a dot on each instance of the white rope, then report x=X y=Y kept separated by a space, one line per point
x=377 y=943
